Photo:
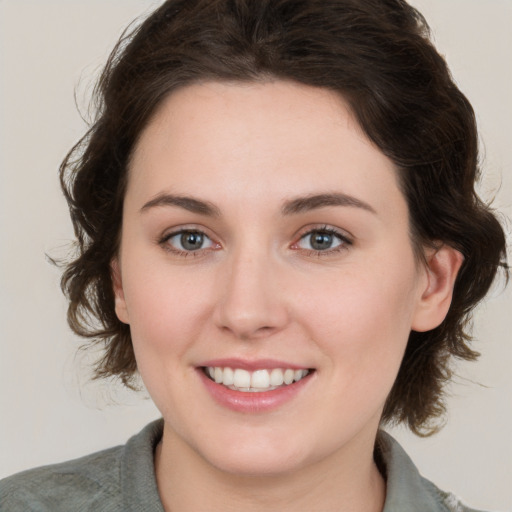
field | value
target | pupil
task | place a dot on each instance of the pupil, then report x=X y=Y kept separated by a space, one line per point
x=321 y=241
x=192 y=241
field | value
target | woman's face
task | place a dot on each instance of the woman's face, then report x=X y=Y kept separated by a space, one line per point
x=264 y=233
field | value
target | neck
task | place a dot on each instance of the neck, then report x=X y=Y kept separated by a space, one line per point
x=350 y=483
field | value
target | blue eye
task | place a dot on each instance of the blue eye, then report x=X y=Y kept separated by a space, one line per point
x=322 y=240
x=188 y=241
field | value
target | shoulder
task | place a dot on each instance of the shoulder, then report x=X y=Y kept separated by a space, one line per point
x=72 y=485
x=448 y=501
x=119 y=479
x=407 y=490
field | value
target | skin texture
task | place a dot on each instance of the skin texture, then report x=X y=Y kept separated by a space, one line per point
x=257 y=289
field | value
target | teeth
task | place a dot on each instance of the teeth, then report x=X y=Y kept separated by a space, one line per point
x=288 y=376
x=228 y=377
x=259 y=380
x=241 y=379
x=298 y=374
x=276 y=377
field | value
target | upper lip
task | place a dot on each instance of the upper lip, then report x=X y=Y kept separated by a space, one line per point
x=252 y=365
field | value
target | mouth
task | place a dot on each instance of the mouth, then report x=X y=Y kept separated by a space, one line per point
x=258 y=381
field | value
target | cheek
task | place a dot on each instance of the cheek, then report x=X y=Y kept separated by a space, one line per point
x=164 y=318
x=164 y=311
x=362 y=323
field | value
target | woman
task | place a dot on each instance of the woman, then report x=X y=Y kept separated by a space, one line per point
x=278 y=230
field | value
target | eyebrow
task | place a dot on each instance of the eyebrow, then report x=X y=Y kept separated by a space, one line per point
x=291 y=207
x=185 y=202
x=316 y=201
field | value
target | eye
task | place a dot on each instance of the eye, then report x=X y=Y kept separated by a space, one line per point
x=323 y=240
x=185 y=241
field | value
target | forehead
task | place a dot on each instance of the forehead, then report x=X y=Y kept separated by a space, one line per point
x=248 y=112
x=258 y=140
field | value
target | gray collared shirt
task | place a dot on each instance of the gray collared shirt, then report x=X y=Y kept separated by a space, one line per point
x=122 y=479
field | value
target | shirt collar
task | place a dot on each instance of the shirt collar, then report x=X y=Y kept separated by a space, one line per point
x=406 y=489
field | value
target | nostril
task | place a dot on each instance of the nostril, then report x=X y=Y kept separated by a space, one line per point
x=257 y=333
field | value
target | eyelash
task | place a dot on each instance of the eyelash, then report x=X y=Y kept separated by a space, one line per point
x=164 y=242
x=344 y=242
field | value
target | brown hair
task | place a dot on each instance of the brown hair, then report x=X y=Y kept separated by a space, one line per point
x=377 y=55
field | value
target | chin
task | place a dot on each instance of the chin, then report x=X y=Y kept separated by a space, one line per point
x=255 y=457
x=257 y=463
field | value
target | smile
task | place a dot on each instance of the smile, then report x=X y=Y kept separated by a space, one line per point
x=261 y=380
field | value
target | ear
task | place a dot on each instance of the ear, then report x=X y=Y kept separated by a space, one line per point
x=442 y=266
x=117 y=283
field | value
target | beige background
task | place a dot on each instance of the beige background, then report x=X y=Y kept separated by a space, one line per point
x=49 y=411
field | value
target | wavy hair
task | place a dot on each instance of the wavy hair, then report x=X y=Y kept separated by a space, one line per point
x=374 y=53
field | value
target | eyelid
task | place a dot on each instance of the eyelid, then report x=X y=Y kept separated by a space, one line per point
x=329 y=228
x=163 y=240
x=343 y=236
x=345 y=239
x=180 y=228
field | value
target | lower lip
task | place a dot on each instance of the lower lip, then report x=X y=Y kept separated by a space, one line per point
x=253 y=402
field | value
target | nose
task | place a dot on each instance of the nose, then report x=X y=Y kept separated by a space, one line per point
x=252 y=300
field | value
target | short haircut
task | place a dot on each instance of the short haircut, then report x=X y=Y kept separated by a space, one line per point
x=377 y=55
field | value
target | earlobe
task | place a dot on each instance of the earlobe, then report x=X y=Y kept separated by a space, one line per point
x=442 y=267
x=117 y=283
